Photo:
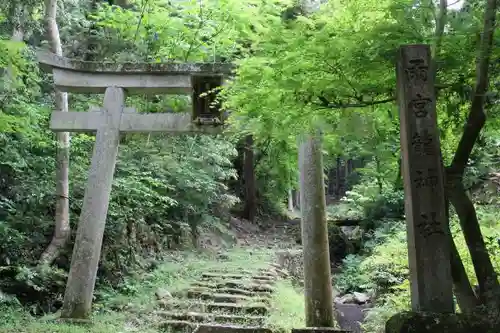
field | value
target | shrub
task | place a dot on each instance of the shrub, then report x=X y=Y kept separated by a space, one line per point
x=374 y=205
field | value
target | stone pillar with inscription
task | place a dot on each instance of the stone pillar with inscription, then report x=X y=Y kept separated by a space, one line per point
x=427 y=230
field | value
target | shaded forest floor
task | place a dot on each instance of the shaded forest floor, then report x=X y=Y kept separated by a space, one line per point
x=226 y=282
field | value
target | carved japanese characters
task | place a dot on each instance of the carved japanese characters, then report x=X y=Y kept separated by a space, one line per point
x=428 y=247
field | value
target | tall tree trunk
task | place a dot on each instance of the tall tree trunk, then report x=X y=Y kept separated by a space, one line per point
x=297 y=198
x=378 y=169
x=290 y=200
x=398 y=182
x=17 y=29
x=17 y=36
x=487 y=279
x=250 y=209
x=62 y=227
x=466 y=298
x=316 y=259
x=489 y=288
x=338 y=180
x=455 y=192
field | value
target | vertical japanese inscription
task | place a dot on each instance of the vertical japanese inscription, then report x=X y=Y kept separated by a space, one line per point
x=428 y=248
x=427 y=178
x=423 y=144
x=429 y=225
x=417 y=71
x=420 y=105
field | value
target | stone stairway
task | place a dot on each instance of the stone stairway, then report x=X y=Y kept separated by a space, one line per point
x=223 y=302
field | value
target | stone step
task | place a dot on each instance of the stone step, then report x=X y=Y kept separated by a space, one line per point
x=211 y=317
x=183 y=326
x=189 y=327
x=224 y=298
x=255 y=286
x=256 y=276
x=268 y=272
x=255 y=309
x=319 y=330
x=204 y=284
x=264 y=278
x=198 y=292
x=182 y=305
x=224 y=276
x=231 y=329
x=282 y=273
x=235 y=270
x=237 y=291
x=277 y=272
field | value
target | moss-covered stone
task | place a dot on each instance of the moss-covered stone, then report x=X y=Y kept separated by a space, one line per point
x=338 y=243
x=49 y=60
x=419 y=322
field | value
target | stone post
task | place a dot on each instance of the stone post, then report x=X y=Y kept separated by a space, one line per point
x=427 y=231
x=317 y=278
x=87 y=250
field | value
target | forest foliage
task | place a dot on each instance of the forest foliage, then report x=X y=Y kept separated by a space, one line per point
x=333 y=69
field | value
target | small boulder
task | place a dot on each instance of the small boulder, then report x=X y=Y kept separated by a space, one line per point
x=361 y=298
x=346 y=299
x=349 y=317
x=338 y=243
x=222 y=256
x=162 y=293
x=422 y=322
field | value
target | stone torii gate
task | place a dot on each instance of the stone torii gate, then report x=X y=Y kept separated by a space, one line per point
x=116 y=81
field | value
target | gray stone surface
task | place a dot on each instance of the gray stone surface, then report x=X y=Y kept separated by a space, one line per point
x=49 y=61
x=318 y=330
x=212 y=328
x=88 y=242
x=129 y=122
x=349 y=316
x=135 y=83
x=428 y=233
x=137 y=78
x=316 y=257
x=426 y=322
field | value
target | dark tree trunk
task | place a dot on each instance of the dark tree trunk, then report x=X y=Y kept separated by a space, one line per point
x=489 y=288
x=338 y=181
x=466 y=298
x=250 y=210
x=486 y=275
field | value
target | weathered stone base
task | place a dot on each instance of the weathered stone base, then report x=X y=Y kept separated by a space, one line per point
x=418 y=322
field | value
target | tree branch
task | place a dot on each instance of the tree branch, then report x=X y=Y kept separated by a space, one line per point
x=340 y=105
x=325 y=103
x=477 y=116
